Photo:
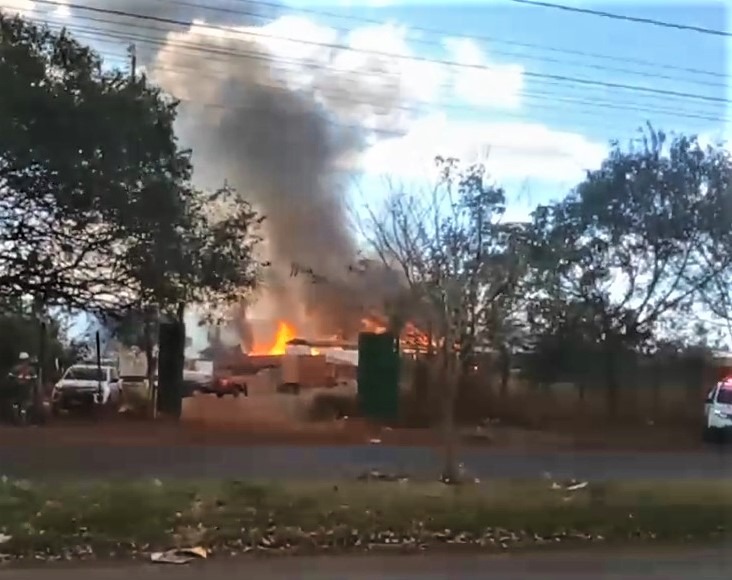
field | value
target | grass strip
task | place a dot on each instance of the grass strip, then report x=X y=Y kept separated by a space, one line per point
x=85 y=520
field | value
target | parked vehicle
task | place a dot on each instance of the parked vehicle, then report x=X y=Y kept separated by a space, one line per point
x=718 y=411
x=227 y=385
x=196 y=381
x=87 y=386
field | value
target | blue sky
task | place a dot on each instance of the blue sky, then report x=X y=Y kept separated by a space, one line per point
x=585 y=33
x=501 y=28
x=536 y=134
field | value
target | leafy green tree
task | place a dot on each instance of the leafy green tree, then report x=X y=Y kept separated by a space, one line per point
x=206 y=256
x=86 y=158
x=636 y=243
x=97 y=209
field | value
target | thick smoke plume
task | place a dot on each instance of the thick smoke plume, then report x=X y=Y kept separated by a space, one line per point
x=282 y=122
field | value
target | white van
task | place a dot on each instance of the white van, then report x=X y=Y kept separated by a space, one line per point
x=87 y=386
x=718 y=411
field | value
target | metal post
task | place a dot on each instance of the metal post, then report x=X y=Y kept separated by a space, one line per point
x=99 y=366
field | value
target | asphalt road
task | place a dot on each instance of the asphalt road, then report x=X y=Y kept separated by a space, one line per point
x=712 y=564
x=281 y=462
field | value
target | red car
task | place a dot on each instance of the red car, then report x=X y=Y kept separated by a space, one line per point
x=221 y=386
x=203 y=383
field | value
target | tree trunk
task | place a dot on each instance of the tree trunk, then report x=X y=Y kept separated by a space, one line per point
x=450 y=471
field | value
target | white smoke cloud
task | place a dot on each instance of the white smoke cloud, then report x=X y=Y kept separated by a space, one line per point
x=511 y=151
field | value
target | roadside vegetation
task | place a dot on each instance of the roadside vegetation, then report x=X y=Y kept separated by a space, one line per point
x=52 y=521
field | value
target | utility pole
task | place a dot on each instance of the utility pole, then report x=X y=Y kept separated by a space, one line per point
x=132 y=52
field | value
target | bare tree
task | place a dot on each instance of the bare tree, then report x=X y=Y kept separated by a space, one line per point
x=456 y=259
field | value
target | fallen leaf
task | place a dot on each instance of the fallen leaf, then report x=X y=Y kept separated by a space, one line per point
x=170 y=557
x=179 y=556
x=198 y=551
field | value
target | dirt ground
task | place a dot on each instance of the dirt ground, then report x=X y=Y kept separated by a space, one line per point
x=125 y=431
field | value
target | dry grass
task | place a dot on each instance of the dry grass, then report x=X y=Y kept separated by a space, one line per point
x=560 y=406
x=531 y=409
x=125 y=518
x=678 y=419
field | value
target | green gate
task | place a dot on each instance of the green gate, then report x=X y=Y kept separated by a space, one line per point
x=378 y=375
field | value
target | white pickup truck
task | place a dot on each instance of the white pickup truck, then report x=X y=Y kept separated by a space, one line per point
x=87 y=386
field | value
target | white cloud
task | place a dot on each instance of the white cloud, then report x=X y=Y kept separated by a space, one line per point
x=366 y=76
x=28 y=7
x=294 y=38
x=22 y=7
x=352 y=78
x=715 y=138
x=376 y=62
x=62 y=11
x=495 y=85
x=370 y=74
x=510 y=150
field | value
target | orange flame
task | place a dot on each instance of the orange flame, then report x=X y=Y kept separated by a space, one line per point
x=285 y=333
x=372 y=325
x=412 y=338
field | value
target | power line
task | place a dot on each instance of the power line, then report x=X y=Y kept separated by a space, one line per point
x=343 y=125
x=329 y=45
x=452 y=34
x=625 y=17
x=514 y=54
x=216 y=50
x=542 y=96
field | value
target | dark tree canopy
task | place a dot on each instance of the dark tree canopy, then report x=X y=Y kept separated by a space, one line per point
x=639 y=239
x=97 y=210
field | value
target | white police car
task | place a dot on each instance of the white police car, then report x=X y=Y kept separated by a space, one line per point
x=718 y=411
